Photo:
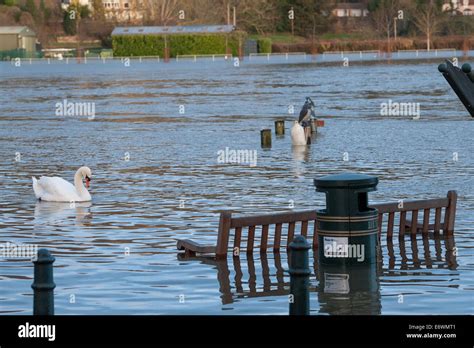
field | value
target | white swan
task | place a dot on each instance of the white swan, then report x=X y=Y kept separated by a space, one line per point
x=54 y=189
x=298 y=138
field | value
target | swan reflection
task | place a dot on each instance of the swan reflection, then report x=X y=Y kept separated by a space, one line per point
x=57 y=212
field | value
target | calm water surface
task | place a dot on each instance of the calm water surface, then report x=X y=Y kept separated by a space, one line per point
x=157 y=179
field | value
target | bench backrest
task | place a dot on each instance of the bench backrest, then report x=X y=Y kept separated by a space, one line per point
x=283 y=226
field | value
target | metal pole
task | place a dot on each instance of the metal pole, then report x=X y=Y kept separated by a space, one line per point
x=43 y=284
x=299 y=276
x=293 y=23
x=395 y=28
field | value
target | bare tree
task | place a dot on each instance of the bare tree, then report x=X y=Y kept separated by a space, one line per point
x=161 y=12
x=427 y=17
x=258 y=16
x=383 y=13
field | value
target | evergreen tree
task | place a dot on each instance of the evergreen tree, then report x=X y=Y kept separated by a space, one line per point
x=30 y=7
x=70 y=20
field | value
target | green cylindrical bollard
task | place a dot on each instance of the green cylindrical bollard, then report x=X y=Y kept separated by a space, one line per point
x=280 y=127
x=299 y=276
x=43 y=284
x=266 y=138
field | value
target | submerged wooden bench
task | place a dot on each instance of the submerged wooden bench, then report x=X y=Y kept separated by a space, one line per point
x=280 y=228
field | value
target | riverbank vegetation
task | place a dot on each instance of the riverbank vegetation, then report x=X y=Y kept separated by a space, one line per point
x=278 y=25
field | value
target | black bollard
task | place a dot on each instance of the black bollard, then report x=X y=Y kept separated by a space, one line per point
x=43 y=284
x=299 y=276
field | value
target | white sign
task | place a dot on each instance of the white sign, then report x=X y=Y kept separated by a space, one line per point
x=336 y=283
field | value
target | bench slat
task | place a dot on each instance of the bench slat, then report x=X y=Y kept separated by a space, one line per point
x=391 y=222
x=411 y=205
x=193 y=247
x=414 y=222
x=403 y=217
x=315 y=236
x=264 y=241
x=291 y=233
x=304 y=228
x=237 y=238
x=437 y=224
x=250 y=239
x=273 y=219
x=426 y=221
x=277 y=243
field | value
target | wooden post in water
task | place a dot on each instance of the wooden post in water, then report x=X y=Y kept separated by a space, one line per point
x=43 y=284
x=280 y=127
x=266 y=138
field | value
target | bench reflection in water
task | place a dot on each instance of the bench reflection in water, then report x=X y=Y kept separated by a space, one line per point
x=340 y=290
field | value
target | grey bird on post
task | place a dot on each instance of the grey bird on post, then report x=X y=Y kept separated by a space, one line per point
x=307 y=111
x=306 y=118
x=299 y=276
x=43 y=284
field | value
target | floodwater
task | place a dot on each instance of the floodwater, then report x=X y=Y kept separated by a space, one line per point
x=153 y=148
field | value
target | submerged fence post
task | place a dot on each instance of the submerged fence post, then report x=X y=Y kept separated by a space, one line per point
x=280 y=127
x=43 y=284
x=299 y=276
x=266 y=138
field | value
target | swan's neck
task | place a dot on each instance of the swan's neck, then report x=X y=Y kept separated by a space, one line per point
x=80 y=188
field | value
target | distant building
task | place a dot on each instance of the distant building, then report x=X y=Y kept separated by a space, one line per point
x=351 y=9
x=459 y=7
x=65 y=3
x=123 y=10
x=115 y=10
x=16 y=38
x=187 y=40
x=174 y=30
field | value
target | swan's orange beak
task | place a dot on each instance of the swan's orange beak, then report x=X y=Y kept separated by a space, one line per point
x=88 y=180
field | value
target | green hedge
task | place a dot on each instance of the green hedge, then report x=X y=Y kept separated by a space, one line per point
x=182 y=44
x=19 y=53
x=264 y=45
